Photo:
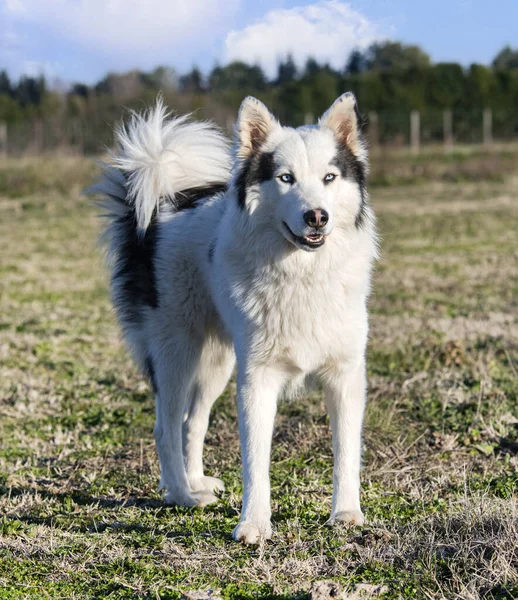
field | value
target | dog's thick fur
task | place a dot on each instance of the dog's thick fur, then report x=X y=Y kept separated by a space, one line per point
x=214 y=258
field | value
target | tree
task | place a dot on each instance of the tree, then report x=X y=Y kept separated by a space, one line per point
x=324 y=88
x=482 y=87
x=192 y=82
x=293 y=103
x=5 y=84
x=394 y=56
x=447 y=85
x=30 y=91
x=10 y=109
x=80 y=89
x=286 y=71
x=356 y=63
x=386 y=77
x=237 y=76
x=311 y=68
x=161 y=78
x=122 y=86
x=507 y=58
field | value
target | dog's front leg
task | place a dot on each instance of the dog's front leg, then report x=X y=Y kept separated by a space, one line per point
x=258 y=390
x=345 y=390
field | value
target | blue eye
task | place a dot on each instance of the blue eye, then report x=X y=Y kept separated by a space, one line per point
x=287 y=178
x=329 y=177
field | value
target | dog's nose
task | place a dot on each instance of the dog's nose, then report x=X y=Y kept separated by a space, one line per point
x=316 y=218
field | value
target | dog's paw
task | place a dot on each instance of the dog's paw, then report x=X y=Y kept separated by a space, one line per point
x=209 y=484
x=200 y=498
x=204 y=498
x=251 y=533
x=347 y=517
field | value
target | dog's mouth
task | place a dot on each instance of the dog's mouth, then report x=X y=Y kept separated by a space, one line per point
x=308 y=242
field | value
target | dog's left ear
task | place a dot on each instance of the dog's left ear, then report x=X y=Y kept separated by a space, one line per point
x=344 y=119
x=254 y=124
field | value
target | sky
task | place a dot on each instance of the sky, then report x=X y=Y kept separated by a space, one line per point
x=82 y=40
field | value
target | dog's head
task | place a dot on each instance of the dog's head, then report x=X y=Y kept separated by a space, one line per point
x=305 y=181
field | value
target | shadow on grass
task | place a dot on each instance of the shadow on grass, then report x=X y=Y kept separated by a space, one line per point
x=158 y=507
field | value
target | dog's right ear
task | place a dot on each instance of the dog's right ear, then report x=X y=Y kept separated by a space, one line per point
x=343 y=119
x=254 y=124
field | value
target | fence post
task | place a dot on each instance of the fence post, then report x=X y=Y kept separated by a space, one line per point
x=415 y=131
x=374 y=129
x=309 y=119
x=230 y=123
x=3 y=139
x=487 y=127
x=77 y=135
x=447 y=123
x=37 y=137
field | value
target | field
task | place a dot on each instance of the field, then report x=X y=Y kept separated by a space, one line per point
x=80 y=515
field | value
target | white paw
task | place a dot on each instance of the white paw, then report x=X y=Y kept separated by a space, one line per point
x=209 y=484
x=347 y=517
x=252 y=533
x=190 y=498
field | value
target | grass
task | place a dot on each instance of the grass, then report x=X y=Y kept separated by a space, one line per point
x=80 y=516
x=464 y=164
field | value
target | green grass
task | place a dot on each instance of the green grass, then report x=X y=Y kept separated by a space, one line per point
x=80 y=515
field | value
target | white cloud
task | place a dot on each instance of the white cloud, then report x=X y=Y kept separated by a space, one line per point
x=14 y=6
x=139 y=28
x=327 y=31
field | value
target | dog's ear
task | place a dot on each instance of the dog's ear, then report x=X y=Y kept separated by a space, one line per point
x=344 y=119
x=254 y=124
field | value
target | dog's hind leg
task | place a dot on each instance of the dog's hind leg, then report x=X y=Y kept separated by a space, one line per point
x=174 y=369
x=212 y=374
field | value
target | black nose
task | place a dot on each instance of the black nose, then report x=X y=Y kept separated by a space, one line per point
x=316 y=218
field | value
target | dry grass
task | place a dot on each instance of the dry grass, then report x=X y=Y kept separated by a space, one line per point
x=81 y=517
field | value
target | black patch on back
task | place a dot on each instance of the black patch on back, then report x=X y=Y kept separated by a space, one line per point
x=352 y=168
x=256 y=169
x=135 y=267
x=150 y=373
x=189 y=198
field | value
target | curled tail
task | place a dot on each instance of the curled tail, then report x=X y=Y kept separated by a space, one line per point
x=160 y=158
x=160 y=161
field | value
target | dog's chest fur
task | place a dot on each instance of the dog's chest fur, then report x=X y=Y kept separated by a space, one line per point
x=307 y=309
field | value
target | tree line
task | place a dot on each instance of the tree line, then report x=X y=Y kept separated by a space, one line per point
x=387 y=77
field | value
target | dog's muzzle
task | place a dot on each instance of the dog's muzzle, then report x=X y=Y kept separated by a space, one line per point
x=311 y=241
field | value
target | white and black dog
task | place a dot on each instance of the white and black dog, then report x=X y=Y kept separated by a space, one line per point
x=263 y=255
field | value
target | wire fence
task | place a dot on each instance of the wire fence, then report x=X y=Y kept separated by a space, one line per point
x=414 y=130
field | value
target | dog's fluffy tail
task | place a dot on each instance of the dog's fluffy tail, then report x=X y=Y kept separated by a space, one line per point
x=158 y=158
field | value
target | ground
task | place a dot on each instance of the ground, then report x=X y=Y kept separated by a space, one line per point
x=80 y=515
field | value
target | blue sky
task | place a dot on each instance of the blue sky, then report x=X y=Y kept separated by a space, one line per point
x=81 y=40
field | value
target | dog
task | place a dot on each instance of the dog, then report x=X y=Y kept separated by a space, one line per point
x=259 y=254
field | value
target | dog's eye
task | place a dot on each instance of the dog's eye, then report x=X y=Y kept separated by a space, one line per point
x=329 y=177
x=287 y=178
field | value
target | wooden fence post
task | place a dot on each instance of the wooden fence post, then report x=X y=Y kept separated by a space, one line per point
x=487 y=127
x=374 y=136
x=3 y=139
x=37 y=137
x=447 y=123
x=230 y=123
x=415 y=131
x=77 y=134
